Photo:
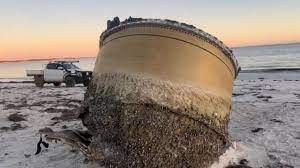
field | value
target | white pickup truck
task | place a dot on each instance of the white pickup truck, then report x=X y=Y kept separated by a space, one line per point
x=58 y=72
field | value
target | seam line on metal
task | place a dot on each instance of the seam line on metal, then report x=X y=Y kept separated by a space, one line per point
x=173 y=39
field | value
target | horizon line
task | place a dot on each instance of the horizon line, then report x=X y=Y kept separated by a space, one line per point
x=55 y=58
x=43 y=59
x=262 y=45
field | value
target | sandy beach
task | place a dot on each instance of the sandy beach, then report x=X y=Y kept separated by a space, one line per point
x=154 y=84
x=40 y=108
x=266 y=114
x=263 y=126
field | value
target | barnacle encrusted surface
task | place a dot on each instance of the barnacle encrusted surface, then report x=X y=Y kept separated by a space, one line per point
x=140 y=121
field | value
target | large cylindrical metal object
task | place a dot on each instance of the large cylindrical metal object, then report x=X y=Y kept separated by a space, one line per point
x=160 y=95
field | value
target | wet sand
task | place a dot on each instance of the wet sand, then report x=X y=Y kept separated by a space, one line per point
x=264 y=122
x=265 y=114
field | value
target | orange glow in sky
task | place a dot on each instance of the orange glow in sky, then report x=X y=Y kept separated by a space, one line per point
x=33 y=29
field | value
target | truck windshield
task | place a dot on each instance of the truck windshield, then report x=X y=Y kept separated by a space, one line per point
x=70 y=66
x=51 y=66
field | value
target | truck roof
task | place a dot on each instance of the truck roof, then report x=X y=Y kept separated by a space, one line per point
x=61 y=62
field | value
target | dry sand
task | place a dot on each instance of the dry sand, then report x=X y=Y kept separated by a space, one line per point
x=264 y=124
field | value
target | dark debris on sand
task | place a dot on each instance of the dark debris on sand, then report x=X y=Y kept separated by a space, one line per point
x=64 y=127
x=257 y=130
x=242 y=164
x=27 y=156
x=237 y=94
x=264 y=97
x=276 y=120
x=16 y=117
x=13 y=127
x=279 y=165
x=46 y=129
x=70 y=103
x=276 y=163
x=41 y=103
x=67 y=114
x=14 y=106
x=238 y=166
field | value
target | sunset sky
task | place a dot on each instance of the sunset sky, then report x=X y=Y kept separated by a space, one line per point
x=38 y=29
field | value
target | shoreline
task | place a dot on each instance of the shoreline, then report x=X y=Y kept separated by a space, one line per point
x=271 y=70
x=284 y=74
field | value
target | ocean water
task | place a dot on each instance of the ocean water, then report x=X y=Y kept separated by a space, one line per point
x=285 y=56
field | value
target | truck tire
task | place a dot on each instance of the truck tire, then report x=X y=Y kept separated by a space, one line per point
x=39 y=81
x=86 y=83
x=56 y=84
x=70 y=81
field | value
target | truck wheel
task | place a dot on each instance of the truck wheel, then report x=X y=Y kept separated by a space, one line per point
x=56 y=84
x=70 y=82
x=39 y=81
x=86 y=83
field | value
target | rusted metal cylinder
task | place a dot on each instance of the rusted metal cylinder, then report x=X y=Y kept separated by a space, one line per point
x=160 y=95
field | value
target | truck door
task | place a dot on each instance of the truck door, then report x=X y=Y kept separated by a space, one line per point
x=54 y=73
